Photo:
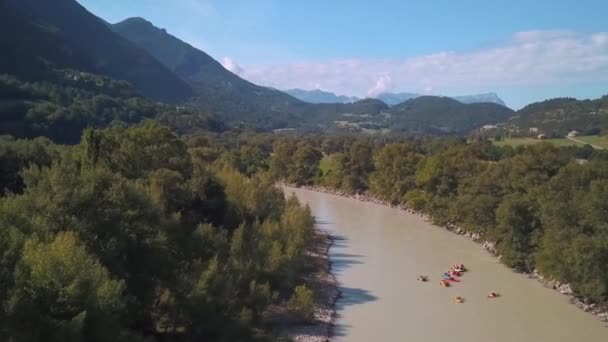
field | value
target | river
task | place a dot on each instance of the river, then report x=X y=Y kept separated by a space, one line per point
x=378 y=254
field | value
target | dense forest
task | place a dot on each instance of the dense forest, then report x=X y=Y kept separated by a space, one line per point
x=544 y=206
x=137 y=235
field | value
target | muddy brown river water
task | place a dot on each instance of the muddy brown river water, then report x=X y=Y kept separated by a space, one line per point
x=380 y=251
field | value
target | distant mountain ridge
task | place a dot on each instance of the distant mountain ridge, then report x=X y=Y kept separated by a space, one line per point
x=320 y=96
x=490 y=97
x=391 y=99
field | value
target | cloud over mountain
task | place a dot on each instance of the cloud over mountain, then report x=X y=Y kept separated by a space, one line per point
x=232 y=66
x=383 y=85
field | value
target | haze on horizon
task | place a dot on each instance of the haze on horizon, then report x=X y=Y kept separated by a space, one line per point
x=524 y=52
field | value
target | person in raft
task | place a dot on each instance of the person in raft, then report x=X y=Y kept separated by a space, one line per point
x=492 y=294
x=458 y=268
x=422 y=277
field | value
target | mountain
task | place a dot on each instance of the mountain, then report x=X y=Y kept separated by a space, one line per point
x=237 y=100
x=217 y=89
x=396 y=98
x=444 y=115
x=36 y=36
x=180 y=57
x=320 y=96
x=561 y=115
x=480 y=98
x=392 y=99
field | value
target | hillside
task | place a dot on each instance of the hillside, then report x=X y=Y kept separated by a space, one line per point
x=36 y=35
x=443 y=115
x=561 y=115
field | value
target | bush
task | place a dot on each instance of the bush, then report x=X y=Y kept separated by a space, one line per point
x=416 y=199
x=302 y=304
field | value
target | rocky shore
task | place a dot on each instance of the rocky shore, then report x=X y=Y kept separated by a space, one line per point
x=582 y=303
x=327 y=294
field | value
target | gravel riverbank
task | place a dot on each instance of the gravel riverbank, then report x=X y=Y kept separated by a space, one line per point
x=327 y=293
x=563 y=288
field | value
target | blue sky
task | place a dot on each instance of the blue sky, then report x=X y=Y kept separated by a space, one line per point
x=523 y=50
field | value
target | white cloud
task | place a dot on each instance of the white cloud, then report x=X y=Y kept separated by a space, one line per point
x=383 y=84
x=232 y=66
x=532 y=58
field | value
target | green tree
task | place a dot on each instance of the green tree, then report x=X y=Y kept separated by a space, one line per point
x=395 y=170
x=301 y=303
x=304 y=165
x=60 y=286
x=516 y=231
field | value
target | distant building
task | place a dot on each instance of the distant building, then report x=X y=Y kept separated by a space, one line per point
x=581 y=161
x=541 y=136
x=283 y=130
x=489 y=127
x=533 y=129
x=573 y=134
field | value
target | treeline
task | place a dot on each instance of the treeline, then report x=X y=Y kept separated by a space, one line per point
x=69 y=101
x=136 y=235
x=543 y=205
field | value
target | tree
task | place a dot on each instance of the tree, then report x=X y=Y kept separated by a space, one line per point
x=60 y=286
x=304 y=165
x=395 y=168
x=516 y=232
x=301 y=303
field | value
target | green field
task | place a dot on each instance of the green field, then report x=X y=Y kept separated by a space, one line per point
x=514 y=142
x=596 y=140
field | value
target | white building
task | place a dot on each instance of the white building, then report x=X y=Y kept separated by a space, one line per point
x=573 y=134
x=533 y=129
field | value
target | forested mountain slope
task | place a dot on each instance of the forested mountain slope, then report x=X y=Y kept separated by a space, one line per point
x=433 y=114
x=69 y=101
x=37 y=35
